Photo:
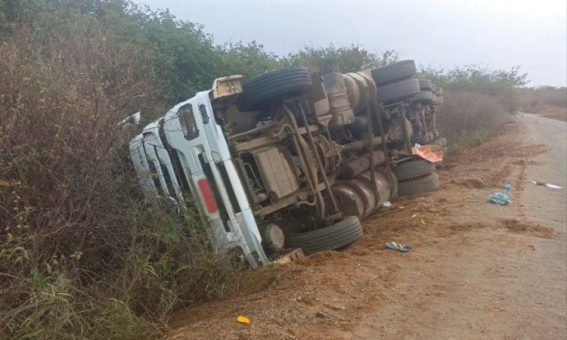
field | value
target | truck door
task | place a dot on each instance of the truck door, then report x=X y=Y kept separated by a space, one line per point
x=185 y=131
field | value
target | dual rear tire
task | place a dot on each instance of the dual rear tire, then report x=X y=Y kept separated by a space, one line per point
x=416 y=177
x=419 y=185
x=397 y=82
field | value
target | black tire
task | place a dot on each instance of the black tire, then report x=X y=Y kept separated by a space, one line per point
x=398 y=91
x=425 y=85
x=419 y=185
x=259 y=91
x=335 y=236
x=413 y=169
x=423 y=96
x=392 y=73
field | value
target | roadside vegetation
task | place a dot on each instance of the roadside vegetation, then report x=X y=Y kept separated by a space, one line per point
x=547 y=101
x=477 y=102
x=81 y=254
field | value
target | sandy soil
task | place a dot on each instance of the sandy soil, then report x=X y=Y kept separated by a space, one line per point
x=477 y=270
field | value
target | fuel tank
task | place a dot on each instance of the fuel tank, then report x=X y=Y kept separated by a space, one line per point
x=357 y=196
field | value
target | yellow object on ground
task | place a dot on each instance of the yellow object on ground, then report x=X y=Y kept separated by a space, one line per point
x=243 y=319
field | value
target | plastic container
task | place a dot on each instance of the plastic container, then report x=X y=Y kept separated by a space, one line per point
x=507 y=187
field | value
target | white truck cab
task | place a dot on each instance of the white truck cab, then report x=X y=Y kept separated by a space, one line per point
x=184 y=156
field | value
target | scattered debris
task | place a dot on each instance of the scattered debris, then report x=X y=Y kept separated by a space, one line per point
x=547 y=185
x=402 y=248
x=431 y=153
x=292 y=256
x=499 y=198
x=243 y=319
x=131 y=120
x=387 y=204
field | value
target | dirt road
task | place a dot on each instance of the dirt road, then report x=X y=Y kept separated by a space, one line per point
x=489 y=283
x=477 y=270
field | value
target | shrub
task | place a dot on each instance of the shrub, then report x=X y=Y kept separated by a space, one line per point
x=340 y=59
x=477 y=100
x=469 y=118
x=502 y=85
x=81 y=254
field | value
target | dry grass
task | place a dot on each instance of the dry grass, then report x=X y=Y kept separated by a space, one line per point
x=533 y=98
x=546 y=101
x=553 y=112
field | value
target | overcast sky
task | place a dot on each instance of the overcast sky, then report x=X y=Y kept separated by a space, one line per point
x=439 y=33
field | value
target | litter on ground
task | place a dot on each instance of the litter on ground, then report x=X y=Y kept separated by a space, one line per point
x=547 y=185
x=499 y=198
x=402 y=248
x=243 y=319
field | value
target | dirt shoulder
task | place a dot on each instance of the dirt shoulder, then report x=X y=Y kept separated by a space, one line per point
x=477 y=270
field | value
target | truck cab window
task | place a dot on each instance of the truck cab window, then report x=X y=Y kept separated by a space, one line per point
x=187 y=120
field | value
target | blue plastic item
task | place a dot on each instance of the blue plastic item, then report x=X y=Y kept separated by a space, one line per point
x=499 y=198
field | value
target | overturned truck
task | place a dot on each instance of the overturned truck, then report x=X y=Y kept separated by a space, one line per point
x=292 y=159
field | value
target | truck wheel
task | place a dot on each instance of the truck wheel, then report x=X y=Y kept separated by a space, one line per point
x=425 y=85
x=399 y=90
x=394 y=72
x=419 y=185
x=413 y=169
x=332 y=237
x=261 y=90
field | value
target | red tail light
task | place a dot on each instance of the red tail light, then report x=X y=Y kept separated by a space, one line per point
x=207 y=193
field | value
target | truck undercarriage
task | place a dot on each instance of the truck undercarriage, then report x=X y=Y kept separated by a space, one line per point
x=301 y=157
